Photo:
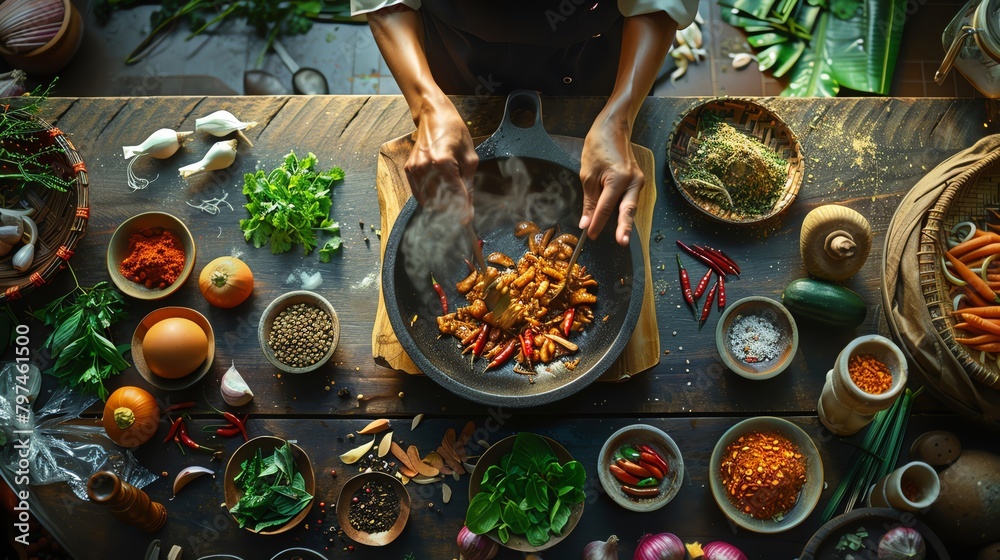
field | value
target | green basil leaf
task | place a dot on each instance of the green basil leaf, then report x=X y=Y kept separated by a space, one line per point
x=514 y=517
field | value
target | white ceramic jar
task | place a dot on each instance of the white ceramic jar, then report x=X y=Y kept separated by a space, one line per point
x=913 y=487
x=843 y=407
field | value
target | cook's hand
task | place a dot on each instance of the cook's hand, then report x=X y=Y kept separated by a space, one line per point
x=442 y=161
x=610 y=174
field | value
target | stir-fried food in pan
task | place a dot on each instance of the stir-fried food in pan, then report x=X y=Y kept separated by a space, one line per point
x=533 y=319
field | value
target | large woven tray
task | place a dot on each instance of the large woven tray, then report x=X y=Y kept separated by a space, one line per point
x=61 y=216
x=967 y=198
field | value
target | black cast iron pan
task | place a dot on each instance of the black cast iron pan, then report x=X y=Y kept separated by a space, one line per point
x=522 y=175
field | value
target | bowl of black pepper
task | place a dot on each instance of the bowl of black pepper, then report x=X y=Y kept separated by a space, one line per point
x=372 y=508
x=299 y=331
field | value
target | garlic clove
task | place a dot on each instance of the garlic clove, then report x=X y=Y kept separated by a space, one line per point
x=12 y=234
x=234 y=388
x=161 y=144
x=220 y=156
x=187 y=475
x=23 y=258
x=352 y=456
x=741 y=60
x=221 y=123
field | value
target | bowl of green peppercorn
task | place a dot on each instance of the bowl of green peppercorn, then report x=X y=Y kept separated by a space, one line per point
x=299 y=331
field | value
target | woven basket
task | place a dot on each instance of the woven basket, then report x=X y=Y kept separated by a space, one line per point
x=61 y=216
x=967 y=198
x=752 y=119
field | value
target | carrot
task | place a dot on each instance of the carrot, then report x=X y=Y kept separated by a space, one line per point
x=975 y=298
x=973 y=279
x=978 y=240
x=982 y=324
x=991 y=311
x=979 y=254
x=980 y=339
x=991 y=347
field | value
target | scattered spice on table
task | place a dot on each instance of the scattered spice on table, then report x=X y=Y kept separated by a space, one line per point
x=301 y=335
x=763 y=473
x=869 y=374
x=754 y=339
x=374 y=508
x=734 y=169
x=155 y=259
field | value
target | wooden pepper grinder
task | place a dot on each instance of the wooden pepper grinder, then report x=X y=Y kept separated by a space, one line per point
x=128 y=503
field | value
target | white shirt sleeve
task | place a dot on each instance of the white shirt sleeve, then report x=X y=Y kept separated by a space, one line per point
x=359 y=7
x=682 y=11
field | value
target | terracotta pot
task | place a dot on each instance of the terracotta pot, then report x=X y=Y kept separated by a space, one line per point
x=56 y=54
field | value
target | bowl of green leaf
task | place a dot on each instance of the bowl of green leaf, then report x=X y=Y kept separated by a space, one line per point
x=269 y=485
x=505 y=476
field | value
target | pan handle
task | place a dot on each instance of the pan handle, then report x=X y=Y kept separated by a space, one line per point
x=511 y=140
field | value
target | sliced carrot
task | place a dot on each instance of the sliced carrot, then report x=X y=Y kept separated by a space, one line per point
x=992 y=311
x=980 y=339
x=973 y=279
x=980 y=253
x=979 y=239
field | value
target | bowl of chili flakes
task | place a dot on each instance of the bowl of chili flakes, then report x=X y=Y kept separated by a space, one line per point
x=766 y=474
x=151 y=255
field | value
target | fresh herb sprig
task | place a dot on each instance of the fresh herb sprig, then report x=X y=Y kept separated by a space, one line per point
x=23 y=159
x=288 y=205
x=84 y=356
x=528 y=493
x=274 y=490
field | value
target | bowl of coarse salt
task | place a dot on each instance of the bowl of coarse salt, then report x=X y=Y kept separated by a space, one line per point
x=757 y=337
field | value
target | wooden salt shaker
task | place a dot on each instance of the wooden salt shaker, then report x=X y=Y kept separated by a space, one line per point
x=128 y=503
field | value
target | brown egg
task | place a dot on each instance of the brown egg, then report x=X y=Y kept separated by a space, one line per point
x=174 y=347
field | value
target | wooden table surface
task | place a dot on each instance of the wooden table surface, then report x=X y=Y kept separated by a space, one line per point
x=863 y=153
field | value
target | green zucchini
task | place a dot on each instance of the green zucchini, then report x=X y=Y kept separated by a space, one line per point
x=824 y=302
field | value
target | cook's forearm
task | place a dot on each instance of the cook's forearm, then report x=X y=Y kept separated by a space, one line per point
x=646 y=40
x=399 y=34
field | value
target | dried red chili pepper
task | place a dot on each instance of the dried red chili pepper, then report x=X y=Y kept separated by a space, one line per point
x=504 y=355
x=173 y=430
x=701 y=257
x=722 y=292
x=707 y=308
x=525 y=346
x=228 y=431
x=685 y=284
x=567 y=322
x=725 y=258
x=186 y=440
x=441 y=295
x=622 y=476
x=477 y=348
x=703 y=283
x=235 y=421
x=719 y=262
x=179 y=406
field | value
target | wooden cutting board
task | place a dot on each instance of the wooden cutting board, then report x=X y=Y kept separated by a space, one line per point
x=643 y=350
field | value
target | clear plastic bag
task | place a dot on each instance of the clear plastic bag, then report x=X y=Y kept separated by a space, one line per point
x=52 y=447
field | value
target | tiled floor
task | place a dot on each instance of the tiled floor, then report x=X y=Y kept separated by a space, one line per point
x=215 y=64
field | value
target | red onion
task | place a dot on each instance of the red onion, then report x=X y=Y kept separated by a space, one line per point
x=717 y=550
x=664 y=546
x=902 y=543
x=602 y=550
x=475 y=547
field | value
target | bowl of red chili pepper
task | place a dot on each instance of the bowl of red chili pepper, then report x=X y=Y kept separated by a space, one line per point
x=640 y=468
x=151 y=255
x=766 y=474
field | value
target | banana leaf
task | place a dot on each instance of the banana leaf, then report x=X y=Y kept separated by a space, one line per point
x=780 y=58
x=811 y=78
x=757 y=9
x=864 y=48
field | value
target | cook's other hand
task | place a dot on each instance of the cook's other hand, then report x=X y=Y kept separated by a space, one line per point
x=443 y=159
x=608 y=169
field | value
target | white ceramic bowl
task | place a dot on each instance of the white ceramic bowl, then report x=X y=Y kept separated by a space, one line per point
x=771 y=312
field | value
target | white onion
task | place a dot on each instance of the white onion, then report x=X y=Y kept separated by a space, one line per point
x=663 y=546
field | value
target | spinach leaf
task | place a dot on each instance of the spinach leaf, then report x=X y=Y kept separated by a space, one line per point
x=537 y=535
x=536 y=494
x=559 y=516
x=514 y=517
x=274 y=491
x=483 y=514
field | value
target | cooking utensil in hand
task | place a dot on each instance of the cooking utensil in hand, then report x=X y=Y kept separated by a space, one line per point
x=305 y=81
x=572 y=262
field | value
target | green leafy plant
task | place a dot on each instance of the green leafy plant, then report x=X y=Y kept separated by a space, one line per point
x=290 y=204
x=25 y=158
x=821 y=45
x=84 y=356
x=529 y=493
x=274 y=490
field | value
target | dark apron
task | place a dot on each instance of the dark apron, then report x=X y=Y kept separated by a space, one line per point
x=557 y=47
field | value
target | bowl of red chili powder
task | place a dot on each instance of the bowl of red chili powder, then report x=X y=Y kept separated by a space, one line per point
x=151 y=255
x=766 y=474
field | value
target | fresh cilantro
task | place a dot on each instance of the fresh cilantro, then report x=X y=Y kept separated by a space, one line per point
x=274 y=490
x=529 y=493
x=83 y=356
x=288 y=205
